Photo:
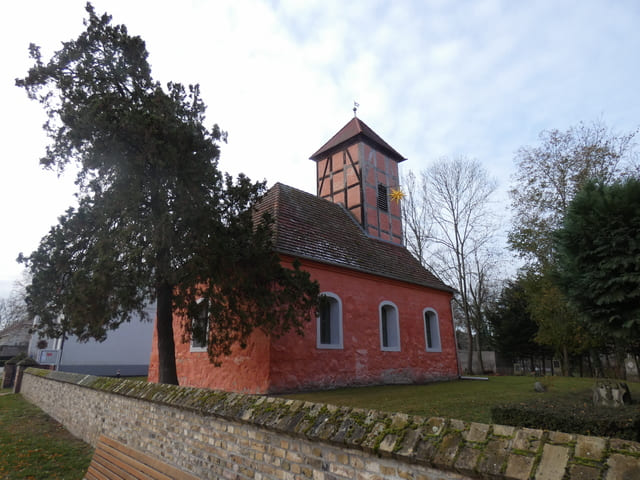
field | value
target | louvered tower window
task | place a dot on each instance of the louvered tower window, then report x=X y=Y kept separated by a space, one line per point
x=382 y=198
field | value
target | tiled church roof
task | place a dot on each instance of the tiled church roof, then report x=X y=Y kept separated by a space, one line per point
x=309 y=227
x=353 y=131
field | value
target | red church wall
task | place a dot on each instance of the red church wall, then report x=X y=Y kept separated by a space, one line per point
x=293 y=362
x=297 y=363
x=246 y=370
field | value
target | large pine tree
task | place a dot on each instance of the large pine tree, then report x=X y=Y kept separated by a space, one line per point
x=156 y=219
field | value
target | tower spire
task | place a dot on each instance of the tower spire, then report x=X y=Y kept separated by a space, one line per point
x=355 y=108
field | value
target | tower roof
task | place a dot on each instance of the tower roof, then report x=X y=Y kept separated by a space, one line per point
x=352 y=132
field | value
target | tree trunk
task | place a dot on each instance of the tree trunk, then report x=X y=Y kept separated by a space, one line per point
x=621 y=370
x=580 y=359
x=597 y=362
x=565 y=361
x=470 y=356
x=479 y=354
x=164 y=329
x=532 y=361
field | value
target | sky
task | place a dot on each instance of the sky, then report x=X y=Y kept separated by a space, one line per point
x=433 y=78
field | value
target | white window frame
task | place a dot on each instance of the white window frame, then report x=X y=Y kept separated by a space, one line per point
x=338 y=345
x=196 y=348
x=435 y=330
x=396 y=322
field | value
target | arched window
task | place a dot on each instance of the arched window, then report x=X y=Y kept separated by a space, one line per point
x=329 y=324
x=200 y=327
x=389 y=327
x=431 y=330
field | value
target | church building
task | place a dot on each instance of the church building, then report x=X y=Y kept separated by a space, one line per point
x=387 y=318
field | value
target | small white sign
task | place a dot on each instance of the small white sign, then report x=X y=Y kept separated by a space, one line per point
x=48 y=357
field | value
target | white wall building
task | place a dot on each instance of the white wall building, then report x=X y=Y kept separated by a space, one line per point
x=126 y=351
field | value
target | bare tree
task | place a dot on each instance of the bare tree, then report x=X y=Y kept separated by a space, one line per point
x=415 y=218
x=3 y=314
x=483 y=289
x=550 y=174
x=13 y=309
x=449 y=226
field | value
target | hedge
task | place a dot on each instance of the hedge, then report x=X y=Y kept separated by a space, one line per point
x=585 y=419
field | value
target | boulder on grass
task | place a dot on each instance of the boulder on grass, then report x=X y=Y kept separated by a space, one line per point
x=539 y=387
x=611 y=393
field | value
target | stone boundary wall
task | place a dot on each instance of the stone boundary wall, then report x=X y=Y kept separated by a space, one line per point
x=214 y=434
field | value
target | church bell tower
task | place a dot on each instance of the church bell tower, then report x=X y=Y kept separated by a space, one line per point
x=359 y=170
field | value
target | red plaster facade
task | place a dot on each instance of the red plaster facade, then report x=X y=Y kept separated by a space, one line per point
x=246 y=370
x=297 y=363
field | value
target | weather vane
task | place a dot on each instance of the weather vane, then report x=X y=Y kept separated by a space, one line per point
x=355 y=108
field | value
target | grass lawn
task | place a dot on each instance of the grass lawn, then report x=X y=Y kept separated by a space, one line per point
x=34 y=446
x=468 y=400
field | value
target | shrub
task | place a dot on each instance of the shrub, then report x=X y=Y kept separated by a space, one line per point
x=584 y=418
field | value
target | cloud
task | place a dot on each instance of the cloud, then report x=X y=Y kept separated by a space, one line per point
x=432 y=78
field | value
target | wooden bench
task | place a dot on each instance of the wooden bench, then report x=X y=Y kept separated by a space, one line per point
x=114 y=461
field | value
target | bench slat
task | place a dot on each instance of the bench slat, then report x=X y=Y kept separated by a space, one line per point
x=94 y=472
x=106 y=472
x=113 y=460
x=126 y=466
x=160 y=466
x=113 y=467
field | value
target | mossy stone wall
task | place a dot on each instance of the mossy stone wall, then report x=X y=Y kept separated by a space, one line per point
x=214 y=434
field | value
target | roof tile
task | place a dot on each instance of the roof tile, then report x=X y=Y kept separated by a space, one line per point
x=306 y=226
